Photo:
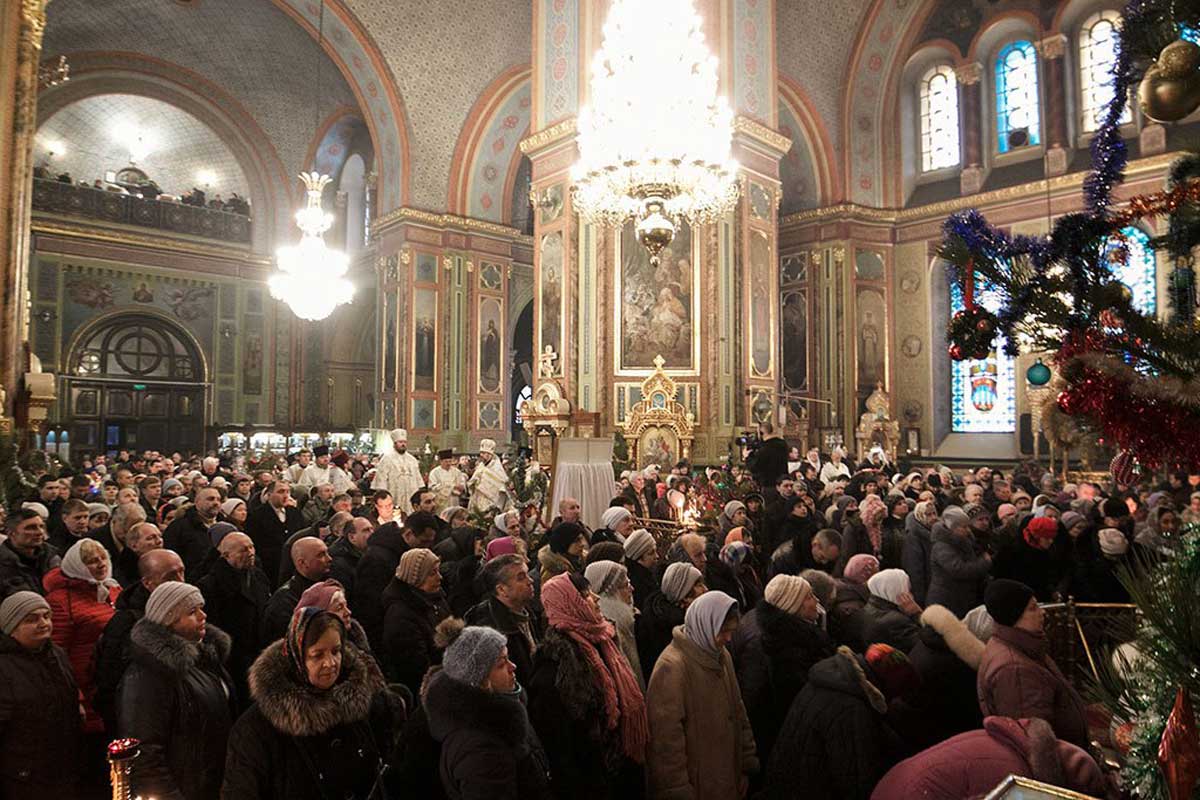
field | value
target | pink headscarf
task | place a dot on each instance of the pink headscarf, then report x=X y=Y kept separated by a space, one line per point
x=872 y=511
x=860 y=568
x=501 y=547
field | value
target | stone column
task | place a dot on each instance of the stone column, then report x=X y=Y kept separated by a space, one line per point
x=21 y=27
x=1055 y=124
x=970 y=98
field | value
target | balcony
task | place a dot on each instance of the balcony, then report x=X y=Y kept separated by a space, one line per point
x=105 y=206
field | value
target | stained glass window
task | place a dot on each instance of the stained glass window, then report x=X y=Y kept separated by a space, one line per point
x=939 y=119
x=1017 y=95
x=983 y=397
x=1097 y=55
x=1191 y=34
x=1140 y=270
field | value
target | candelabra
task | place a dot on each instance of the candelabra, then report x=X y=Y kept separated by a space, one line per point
x=121 y=753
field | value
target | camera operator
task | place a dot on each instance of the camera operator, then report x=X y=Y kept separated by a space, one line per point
x=769 y=460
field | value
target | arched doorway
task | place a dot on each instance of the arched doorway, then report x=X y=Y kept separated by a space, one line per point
x=135 y=381
x=522 y=379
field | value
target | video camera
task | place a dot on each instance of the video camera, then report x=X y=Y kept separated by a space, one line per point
x=749 y=440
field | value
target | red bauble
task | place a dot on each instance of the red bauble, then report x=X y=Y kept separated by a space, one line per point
x=1067 y=403
x=959 y=316
x=985 y=325
x=956 y=352
x=1124 y=468
x=1179 y=749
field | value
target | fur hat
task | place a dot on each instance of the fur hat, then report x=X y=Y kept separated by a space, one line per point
x=169 y=596
x=17 y=606
x=787 y=593
x=1006 y=600
x=563 y=535
x=416 y=565
x=470 y=657
x=638 y=543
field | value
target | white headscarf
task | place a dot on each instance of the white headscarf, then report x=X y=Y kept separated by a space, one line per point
x=704 y=619
x=73 y=567
x=888 y=584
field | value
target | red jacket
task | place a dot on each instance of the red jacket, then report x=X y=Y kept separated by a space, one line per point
x=971 y=764
x=79 y=619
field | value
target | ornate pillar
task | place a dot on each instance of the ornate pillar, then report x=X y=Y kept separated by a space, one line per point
x=21 y=27
x=1057 y=135
x=970 y=95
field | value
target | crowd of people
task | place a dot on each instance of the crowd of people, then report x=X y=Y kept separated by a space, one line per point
x=148 y=189
x=346 y=627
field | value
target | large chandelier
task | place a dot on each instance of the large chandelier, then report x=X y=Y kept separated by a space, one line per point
x=654 y=143
x=311 y=274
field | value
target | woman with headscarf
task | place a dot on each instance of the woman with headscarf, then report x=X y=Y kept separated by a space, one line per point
x=322 y=723
x=733 y=573
x=506 y=523
x=889 y=616
x=564 y=551
x=585 y=702
x=846 y=616
x=701 y=743
x=610 y=581
x=866 y=534
x=733 y=515
x=177 y=698
x=40 y=743
x=918 y=545
x=616 y=523
x=842 y=512
x=414 y=606
x=82 y=595
x=329 y=595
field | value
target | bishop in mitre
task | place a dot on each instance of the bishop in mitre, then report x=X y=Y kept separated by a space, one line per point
x=399 y=472
x=446 y=481
x=489 y=483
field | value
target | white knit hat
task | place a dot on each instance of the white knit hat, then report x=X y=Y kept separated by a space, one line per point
x=787 y=592
x=638 y=544
x=169 y=596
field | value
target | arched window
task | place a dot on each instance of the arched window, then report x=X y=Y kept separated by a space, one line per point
x=140 y=349
x=1140 y=270
x=983 y=396
x=526 y=393
x=1097 y=55
x=939 y=119
x=1018 y=117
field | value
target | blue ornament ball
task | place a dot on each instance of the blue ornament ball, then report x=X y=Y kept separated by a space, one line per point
x=1039 y=374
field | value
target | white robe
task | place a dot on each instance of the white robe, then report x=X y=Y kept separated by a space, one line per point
x=399 y=474
x=314 y=476
x=489 y=487
x=444 y=482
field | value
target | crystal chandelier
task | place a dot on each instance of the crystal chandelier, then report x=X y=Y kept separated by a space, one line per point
x=311 y=277
x=654 y=143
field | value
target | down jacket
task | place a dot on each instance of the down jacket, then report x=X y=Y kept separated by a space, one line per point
x=1017 y=678
x=39 y=723
x=971 y=764
x=946 y=656
x=178 y=700
x=79 y=619
x=834 y=743
x=883 y=621
x=701 y=745
x=956 y=571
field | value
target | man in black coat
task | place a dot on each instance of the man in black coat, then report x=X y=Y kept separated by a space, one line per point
x=770 y=459
x=378 y=564
x=236 y=593
x=25 y=557
x=510 y=610
x=271 y=523
x=348 y=550
x=312 y=561
x=188 y=535
x=112 y=651
x=70 y=526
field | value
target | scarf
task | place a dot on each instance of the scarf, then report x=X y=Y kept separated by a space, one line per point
x=704 y=619
x=73 y=567
x=872 y=510
x=625 y=706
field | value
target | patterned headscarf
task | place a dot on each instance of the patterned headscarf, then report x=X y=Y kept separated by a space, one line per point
x=872 y=511
x=734 y=553
x=293 y=640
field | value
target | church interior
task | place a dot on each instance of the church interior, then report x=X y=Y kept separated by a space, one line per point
x=949 y=243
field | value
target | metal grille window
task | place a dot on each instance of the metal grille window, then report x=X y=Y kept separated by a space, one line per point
x=939 y=119
x=1097 y=55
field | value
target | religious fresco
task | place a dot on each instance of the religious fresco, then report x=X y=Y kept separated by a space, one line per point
x=871 y=339
x=761 y=264
x=658 y=446
x=252 y=355
x=552 y=294
x=425 y=312
x=794 y=327
x=389 y=342
x=491 y=317
x=659 y=310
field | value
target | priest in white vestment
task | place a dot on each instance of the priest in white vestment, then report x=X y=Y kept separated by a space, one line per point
x=446 y=481
x=399 y=473
x=489 y=482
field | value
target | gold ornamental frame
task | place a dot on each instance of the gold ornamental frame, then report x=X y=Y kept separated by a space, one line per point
x=658 y=410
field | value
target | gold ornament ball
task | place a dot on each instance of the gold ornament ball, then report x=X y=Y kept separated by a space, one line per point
x=1170 y=89
x=1178 y=60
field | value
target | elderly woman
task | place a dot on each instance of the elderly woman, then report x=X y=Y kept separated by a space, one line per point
x=616 y=524
x=733 y=515
x=733 y=573
x=610 y=581
x=585 y=702
x=890 y=614
x=846 y=617
x=414 y=605
x=506 y=523
x=681 y=584
x=81 y=593
x=233 y=511
x=39 y=705
x=177 y=697
x=918 y=546
x=322 y=720
x=701 y=743
x=564 y=551
x=329 y=595
x=98 y=517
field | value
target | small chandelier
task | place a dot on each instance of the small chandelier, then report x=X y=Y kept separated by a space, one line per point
x=311 y=277
x=654 y=145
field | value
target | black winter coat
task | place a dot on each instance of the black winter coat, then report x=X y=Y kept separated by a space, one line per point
x=372 y=575
x=789 y=648
x=489 y=750
x=494 y=614
x=177 y=699
x=918 y=547
x=188 y=536
x=236 y=602
x=345 y=558
x=112 y=651
x=407 y=649
x=39 y=723
x=653 y=630
x=834 y=743
x=280 y=608
x=642 y=580
x=268 y=534
x=1020 y=561
x=946 y=704
x=957 y=572
x=885 y=622
x=299 y=743
x=21 y=574
x=847 y=616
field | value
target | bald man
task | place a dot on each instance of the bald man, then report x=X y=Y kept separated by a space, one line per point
x=236 y=593
x=311 y=559
x=112 y=656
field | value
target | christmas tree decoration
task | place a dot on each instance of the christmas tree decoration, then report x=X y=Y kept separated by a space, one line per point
x=1124 y=468
x=1038 y=374
x=1170 y=89
x=1179 y=749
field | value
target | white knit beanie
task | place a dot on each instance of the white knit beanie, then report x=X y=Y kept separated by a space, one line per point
x=787 y=593
x=169 y=596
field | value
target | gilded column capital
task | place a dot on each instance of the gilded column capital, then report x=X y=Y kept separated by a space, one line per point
x=970 y=73
x=1053 y=46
